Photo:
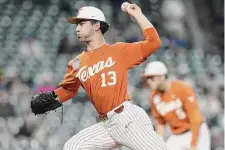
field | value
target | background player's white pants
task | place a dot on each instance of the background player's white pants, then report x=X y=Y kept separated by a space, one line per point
x=183 y=141
x=132 y=128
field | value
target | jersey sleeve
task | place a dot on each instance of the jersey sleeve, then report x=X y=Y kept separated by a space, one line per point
x=155 y=113
x=134 y=53
x=192 y=111
x=69 y=85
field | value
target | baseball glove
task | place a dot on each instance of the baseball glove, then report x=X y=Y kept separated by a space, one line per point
x=44 y=102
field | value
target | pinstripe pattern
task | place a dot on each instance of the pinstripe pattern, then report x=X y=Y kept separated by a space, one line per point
x=132 y=128
x=91 y=138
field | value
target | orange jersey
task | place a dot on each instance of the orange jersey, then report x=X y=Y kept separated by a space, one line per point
x=103 y=72
x=178 y=107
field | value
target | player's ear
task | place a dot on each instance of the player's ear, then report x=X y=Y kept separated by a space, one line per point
x=163 y=77
x=97 y=26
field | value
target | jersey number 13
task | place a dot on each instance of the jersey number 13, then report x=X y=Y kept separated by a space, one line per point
x=111 y=81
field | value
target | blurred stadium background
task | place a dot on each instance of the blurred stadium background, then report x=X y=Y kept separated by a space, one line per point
x=36 y=44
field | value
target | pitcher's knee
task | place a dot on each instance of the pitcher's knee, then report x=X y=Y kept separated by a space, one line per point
x=78 y=141
x=72 y=144
x=67 y=145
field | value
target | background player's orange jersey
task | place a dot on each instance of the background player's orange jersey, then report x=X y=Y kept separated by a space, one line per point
x=103 y=72
x=178 y=107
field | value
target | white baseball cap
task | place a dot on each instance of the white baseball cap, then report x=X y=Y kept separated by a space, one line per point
x=155 y=68
x=88 y=12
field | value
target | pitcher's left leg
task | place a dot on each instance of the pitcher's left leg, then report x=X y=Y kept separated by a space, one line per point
x=95 y=137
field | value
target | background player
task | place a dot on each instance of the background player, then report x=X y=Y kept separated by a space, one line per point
x=175 y=103
x=102 y=70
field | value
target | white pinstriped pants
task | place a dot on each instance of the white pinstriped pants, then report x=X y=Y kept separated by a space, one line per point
x=132 y=128
x=183 y=141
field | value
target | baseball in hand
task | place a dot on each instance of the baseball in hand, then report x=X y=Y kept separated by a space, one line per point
x=124 y=6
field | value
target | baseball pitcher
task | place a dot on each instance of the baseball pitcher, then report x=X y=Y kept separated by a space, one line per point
x=102 y=70
x=175 y=103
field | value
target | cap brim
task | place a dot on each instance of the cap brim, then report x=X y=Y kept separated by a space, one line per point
x=147 y=76
x=75 y=20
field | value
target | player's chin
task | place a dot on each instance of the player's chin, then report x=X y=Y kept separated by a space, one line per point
x=83 y=40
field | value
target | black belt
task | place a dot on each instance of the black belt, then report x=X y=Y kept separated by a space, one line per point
x=105 y=116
